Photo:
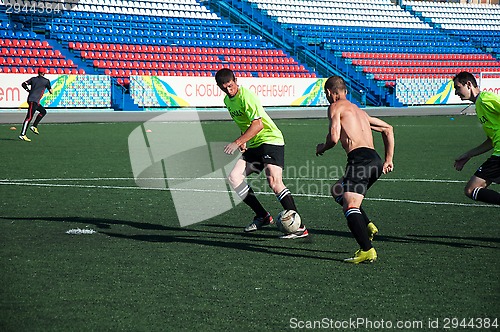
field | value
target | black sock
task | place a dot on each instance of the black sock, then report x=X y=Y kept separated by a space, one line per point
x=248 y=196
x=37 y=120
x=357 y=225
x=486 y=195
x=340 y=200
x=286 y=200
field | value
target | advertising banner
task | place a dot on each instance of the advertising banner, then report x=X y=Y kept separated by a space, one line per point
x=79 y=91
x=183 y=91
x=420 y=91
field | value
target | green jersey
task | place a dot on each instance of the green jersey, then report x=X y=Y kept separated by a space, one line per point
x=488 y=113
x=245 y=107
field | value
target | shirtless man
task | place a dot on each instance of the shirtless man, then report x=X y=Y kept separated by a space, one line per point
x=353 y=127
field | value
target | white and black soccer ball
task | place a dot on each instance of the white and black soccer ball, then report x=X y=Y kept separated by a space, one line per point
x=288 y=221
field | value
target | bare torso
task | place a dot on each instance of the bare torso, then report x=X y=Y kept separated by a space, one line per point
x=355 y=126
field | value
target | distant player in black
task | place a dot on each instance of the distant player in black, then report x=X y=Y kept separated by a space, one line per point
x=37 y=84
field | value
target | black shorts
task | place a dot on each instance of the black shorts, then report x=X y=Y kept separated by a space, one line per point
x=364 y=167
x=265 y=154
x=490 y=170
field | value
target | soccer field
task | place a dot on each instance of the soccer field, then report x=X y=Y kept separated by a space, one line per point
x=141 y=271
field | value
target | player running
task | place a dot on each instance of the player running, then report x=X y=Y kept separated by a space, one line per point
x=38 y=85
x=488 y=111
x=263 y=148
x=353 y=128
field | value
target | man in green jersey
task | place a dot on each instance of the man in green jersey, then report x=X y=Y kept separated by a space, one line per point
x=488 y=111
x=263 y=148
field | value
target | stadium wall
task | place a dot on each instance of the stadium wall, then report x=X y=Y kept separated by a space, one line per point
x=69 y=91
x=436 y=91
x=96 y=91
x=182 y=91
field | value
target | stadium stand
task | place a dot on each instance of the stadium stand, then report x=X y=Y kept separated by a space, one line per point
x=479 y=24
x=373 y=43
x=188 y=46
x=377 y=30
x=123 y=60
x=25 y=55
x=388 y=42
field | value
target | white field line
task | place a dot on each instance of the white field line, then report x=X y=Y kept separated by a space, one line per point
x=30 y=182
x=219 y=178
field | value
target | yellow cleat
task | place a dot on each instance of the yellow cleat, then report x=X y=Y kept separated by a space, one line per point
x=372 y=230
x=24 y=138
x=361 y=256
x=34 y=129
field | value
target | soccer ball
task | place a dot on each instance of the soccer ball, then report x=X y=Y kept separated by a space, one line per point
x=288 y=221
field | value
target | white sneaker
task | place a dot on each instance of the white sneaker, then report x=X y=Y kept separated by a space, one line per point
x=301 y=232
x=259 y=222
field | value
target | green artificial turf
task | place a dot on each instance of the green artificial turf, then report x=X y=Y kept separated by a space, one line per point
x=141 y=271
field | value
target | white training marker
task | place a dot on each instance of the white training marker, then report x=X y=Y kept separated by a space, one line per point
x=78 y=231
